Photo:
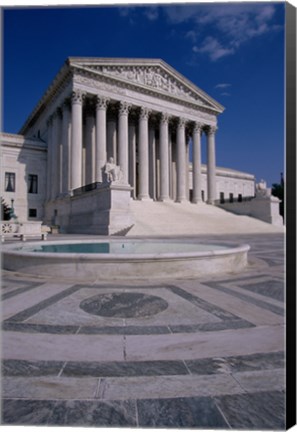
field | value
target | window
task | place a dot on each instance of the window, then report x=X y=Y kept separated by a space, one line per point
x=32 y=213
x=32 y=183
x=239 y=198
x=9 y=182
x=222 y=198
x=231 y=197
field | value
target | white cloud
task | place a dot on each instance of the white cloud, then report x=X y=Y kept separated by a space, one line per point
x=232 y=24
x=213 y=48
x=223 y=85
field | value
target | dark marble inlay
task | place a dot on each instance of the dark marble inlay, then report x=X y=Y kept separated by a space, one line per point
x=39 y=328
x=263 y=410
x=20 y=290
x=124 y=305
x=121 y=369
x=26 y=412
x=234 y=364
x=275 y=309
x=202 y=304
x=270 y=288
x=31 y=368
x=27 y=313
x=180 y=412
x=89 y=413
x=125 y=330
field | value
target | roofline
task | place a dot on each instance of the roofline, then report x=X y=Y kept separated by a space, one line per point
x=70 y=62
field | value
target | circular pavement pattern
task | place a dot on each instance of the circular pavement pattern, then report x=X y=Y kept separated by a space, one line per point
x=124 y=305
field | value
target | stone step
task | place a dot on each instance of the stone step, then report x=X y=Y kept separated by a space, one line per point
x=170 y=218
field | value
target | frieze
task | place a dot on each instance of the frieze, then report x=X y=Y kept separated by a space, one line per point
x=151 y=76
x=95 y=84
x=108 y=83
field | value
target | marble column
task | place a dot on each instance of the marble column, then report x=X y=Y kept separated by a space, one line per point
x=180 y=161
x=187 y=156
x=101 y=105
x=211 y=165
x=152 y=162
x=123 y=145
x=76 y=139
x=66 y=129
x=49 y=157
x=90 y=146
x=55 y=159
x=196 y=172
x=132 y=157
x=143 y=154
x=164 y=158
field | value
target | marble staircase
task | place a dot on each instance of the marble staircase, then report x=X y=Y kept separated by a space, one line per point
x=170 y=218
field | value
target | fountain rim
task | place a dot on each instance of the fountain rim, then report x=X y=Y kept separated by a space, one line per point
x=229 y=249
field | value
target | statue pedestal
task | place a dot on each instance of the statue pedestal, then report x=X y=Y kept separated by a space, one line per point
x=104 y=210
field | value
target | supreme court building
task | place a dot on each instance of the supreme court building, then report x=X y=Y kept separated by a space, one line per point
x=138 y=116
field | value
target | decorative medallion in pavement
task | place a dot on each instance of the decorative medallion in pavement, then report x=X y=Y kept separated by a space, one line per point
x=124 y=305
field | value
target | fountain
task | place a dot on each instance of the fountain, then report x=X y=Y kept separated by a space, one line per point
x=119 y=259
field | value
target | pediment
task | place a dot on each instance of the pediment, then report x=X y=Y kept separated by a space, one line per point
x=155 y=75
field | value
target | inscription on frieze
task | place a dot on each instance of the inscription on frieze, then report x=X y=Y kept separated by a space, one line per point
x=153 y=77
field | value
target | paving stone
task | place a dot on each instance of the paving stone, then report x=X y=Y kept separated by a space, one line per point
x=47 y=388
x=262 y=410
x=31 y=368
x=120 y=369
x=26 y=412
x=99 y=413
x=180 y=412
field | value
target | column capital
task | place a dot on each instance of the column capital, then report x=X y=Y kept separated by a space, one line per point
x=77 y=97
x=164 y=117
x=211 y=130
x=101 y=102
x=198 y=127
x=144 y=113
x=181 y=124
x=124 y=108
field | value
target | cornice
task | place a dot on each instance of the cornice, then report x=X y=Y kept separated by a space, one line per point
x=19 y=141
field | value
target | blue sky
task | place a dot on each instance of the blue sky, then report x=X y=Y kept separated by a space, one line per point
x=233 y=51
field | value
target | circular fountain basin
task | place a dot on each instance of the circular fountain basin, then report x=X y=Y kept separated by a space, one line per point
x=116 y=259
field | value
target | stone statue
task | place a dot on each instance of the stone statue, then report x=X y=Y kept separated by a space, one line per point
x=262 y=190
x=112 y=171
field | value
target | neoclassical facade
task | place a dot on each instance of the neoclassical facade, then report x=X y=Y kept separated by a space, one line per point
x=140 y=114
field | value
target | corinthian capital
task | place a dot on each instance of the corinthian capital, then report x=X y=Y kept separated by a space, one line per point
x=181 y=123
x=198 y=127
x=211 y=130
x=164 y=117
x=124 y=108
x=101 y=102
x=77 y=96
x=144 y=113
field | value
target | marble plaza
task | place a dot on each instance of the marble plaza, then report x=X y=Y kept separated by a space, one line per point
x=185 y=353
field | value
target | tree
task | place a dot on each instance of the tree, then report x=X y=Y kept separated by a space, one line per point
x=277 y=190
x=5 y=210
